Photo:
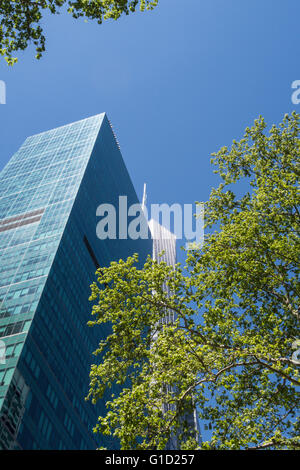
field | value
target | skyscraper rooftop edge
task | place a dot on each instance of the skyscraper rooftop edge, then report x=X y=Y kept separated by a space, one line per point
x=160 y=231
x=70 y=124
x=55 y=134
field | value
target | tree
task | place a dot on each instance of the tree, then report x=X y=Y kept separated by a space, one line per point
x=21 y=20
x=230 y=351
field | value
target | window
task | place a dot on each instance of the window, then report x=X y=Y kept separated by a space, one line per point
x=7 y=375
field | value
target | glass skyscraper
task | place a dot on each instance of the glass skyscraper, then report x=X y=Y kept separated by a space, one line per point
x=49 y=251
x=164 y=249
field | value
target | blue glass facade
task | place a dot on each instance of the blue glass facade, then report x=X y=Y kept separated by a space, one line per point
x=49 y=251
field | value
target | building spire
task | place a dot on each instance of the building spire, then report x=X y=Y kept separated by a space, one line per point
x=144 y=197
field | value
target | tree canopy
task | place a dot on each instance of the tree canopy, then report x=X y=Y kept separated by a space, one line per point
x=21 y=20
x=230 y=350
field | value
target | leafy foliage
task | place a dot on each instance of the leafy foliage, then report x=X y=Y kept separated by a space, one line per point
x=236 y=301
x=21 y=20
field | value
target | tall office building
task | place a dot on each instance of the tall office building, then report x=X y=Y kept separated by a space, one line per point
x=49 y=251
x=164 y=249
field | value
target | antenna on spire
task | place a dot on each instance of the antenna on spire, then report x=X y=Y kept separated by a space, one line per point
x=144 y=197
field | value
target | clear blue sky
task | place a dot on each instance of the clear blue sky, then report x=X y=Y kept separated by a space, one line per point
x=177 y=83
